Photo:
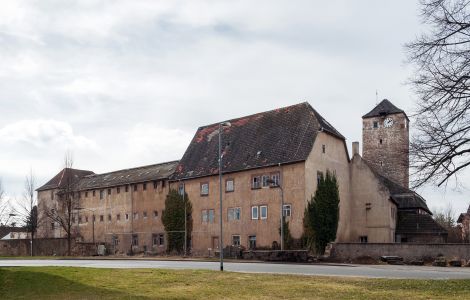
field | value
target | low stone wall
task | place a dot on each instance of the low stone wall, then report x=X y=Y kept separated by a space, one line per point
x=44 y=247
x=409 y=252
x=277 y=255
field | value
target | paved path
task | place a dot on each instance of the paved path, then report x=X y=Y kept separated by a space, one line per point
x=376 y=271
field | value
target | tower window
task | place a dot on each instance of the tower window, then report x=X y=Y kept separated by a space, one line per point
x=323 y=148
x=376 y=124
x=380 y=141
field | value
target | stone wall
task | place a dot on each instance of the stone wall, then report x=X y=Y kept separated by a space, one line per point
x=352 y=251
x=44 y=247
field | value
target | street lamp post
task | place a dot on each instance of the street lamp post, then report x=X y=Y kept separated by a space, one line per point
x=221 y=239
x=282 y=210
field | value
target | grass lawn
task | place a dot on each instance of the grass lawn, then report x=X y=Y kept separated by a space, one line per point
x=86 y=283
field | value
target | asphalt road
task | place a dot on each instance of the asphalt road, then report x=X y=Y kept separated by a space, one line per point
x=370 y=271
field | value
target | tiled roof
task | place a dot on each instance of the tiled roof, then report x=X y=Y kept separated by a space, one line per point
x=63 y=177
x=128 y=176
x=412 y=223
x=383 y=108
x=403 y=197
x=283 y=135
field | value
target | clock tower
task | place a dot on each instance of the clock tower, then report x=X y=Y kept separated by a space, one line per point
x=385 y=141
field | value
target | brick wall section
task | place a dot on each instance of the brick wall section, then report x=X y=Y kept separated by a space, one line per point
x=350 y=251
x=391 y=157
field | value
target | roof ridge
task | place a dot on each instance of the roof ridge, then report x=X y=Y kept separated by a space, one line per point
x=130 y=169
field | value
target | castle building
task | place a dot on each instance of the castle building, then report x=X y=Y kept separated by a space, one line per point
x=265 y=156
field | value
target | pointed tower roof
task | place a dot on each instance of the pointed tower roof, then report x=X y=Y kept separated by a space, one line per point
x=382 y=109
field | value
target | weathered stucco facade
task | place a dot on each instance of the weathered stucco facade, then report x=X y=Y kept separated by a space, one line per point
x=290 y=146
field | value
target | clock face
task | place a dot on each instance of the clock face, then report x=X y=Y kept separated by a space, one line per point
x=388 y=122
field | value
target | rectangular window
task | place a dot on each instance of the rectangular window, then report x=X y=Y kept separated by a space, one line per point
x=287 y=210
x=127 y=217
x=252 y=242
x=52 y=225
x=135 y=240
x=363 y=239
x=135 y=187
x=101 y=194
x=323 y=148
x=255 y=182
x=126 y=188
x=234 y=213
x=204 y=216
x=136 y=216
x=118 y=190
x=229 y=185
x=263 y=212
x=145 y=214
x=319 y=176
x=93 y=193
x=155 y=214
x=211 y=216
x=155 y=239
x=155 y=185
x=254 y=212
x=181 y=189
x=109 y=191
x=86 y=219
x=236 y=240
x=161 y=239
x=118 y=217
x=109 y=218
x=376 y=124
x=86 y=194
x=101 y=218
x=204 y=189
x=276 y=178
x=264 y=180
x=144 y=186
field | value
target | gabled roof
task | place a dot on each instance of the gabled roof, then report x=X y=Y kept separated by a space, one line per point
x=59 y=180
x=283 y=135
x=402 y=196
x=411 y=223
x=382 y=109
x=128 y=176
x=464 y=215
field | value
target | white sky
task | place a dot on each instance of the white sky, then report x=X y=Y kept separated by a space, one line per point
x=127 y=83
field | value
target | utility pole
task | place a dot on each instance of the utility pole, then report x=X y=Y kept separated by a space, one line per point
x=221 y=238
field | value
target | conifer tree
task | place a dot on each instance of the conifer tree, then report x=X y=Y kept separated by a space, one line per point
x=322 y=213
x=173 y=220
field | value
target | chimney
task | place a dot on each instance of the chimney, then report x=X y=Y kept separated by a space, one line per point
x=355 y=148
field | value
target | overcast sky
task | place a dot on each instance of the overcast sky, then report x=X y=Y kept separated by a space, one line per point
x=127 y=83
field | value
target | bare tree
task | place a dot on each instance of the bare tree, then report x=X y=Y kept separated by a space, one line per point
x=63 y=214
x=440 y=149
x=26 y=208
x=4 y=207
x=446 y=218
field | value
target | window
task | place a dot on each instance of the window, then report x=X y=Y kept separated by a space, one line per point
x=115 y=240
x=126 y=188
x=93 y=193
x=52 y=225
x=155 y=214
x=319 y=176
x=236 y=240
x=109 y=191
x=252 y=242
x=136 y=216
x=229 y=185
x=135 y=240
x=363 y=239
x=376 y=124
x=86 y=194
x=145 y=214
x=287 y=210
x=144 y=186
x=263 y=212
x=127 y=217
x=101 y=218
x=255 y=182
x=254 y=212
x=135 y=187
x=380 y=141
x=323 y=148
x=109 y=218
x=155 y=185
x=155 y=239
x=181 y=189
x=118 y=217
x=101 y=194
x=208 y=216
x=118 y=190
x=276 y=177
x=163 y=183
x=265 y=180
x=234 y=213
x=161 y=239
x=204 y=189
x=86 y=219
